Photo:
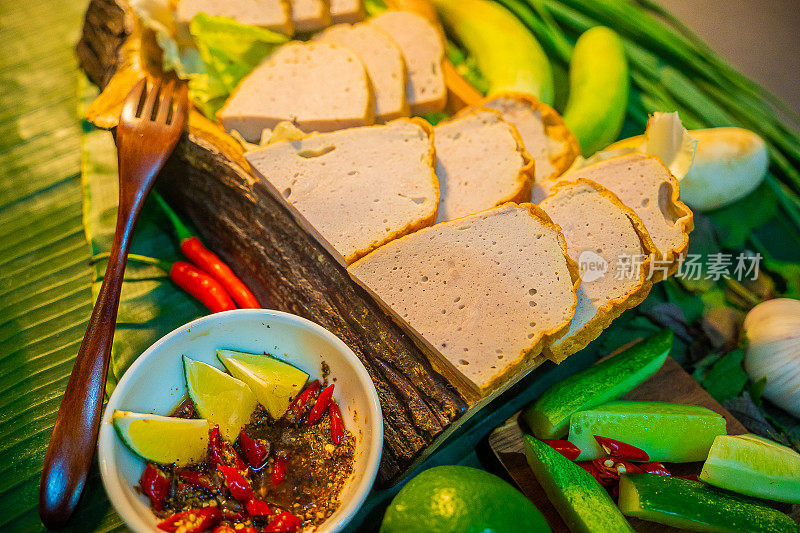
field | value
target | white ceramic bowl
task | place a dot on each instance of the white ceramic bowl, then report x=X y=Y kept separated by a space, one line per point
x=155 y=384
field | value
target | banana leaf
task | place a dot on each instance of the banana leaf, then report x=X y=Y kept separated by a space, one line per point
x=45 y=280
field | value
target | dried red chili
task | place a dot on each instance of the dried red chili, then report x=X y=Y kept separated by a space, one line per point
x=207 y=260
x=238 y=486
x=279 y=467
x=284 y=522
x=155 y=485
x=192 y=521
x=620 y=450
x=198 y=479
x=564 y=447
x=337 y=424
x=321 y=405
x=256 y=507
x=224 y=529
x=300 y=403
x=655 y=468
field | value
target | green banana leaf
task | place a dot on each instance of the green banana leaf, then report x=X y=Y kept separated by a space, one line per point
x=45 y=280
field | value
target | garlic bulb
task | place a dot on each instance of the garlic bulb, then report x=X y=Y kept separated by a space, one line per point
x=730 y=163
x=772 y=329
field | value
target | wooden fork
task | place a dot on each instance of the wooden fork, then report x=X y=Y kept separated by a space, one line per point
x=150 y=125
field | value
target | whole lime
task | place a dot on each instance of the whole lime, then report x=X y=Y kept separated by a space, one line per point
x=460 y=499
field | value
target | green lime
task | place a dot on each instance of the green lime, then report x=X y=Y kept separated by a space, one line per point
x=219 y=398
x=273 y=382
x=163 y=439
x=460 y=499
x=754 y=466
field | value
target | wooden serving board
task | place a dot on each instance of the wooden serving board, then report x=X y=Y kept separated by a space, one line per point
x=670 y=384
x=250 y=227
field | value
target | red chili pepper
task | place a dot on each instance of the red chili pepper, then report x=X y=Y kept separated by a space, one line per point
x=620 y=450
x=207 y=260
x=321 y=405
x=233 y=515
x=247 y=529
x=337 y=424
x=564 y=447
x=607 y=473
x=600 y=476
x=192 y=521
x=155 y=485
x=298 y=405
x=611 y=468
x=236 y=483
x=224 y=529
x=655 y=468
x=214 y=453
x=256 y=507
x=254 y=451
x=284 y=522
x=626 y=467
x=202 y=286
x=279 y=467
x=222 y=453
x=198 y=479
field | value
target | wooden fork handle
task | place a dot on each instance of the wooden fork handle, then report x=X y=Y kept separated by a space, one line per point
x=72 y=444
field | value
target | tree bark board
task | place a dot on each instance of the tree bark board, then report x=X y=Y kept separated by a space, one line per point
x=670 y=384
x=288 y=270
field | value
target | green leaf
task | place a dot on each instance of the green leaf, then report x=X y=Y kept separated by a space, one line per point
x=230 y=51
x=691 y=304
x=737 y=220
x=757 y=389
x=789 y=273
x=45 y=279
x=726 y=379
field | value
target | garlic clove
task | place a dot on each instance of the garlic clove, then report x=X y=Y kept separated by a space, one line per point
x=730 y=163
x=772 y=330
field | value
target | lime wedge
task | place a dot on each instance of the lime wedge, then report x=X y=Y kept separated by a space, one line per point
x=163 y=439
x=274 y=382
x=219 y=398
x=754 y=466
